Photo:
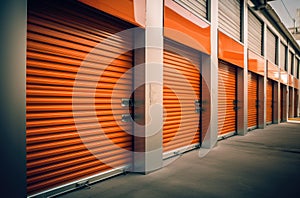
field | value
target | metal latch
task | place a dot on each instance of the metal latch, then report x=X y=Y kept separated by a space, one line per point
x=83 y=184
x=235 y=103
x=198 y=108
x=126 y=102
x=126 y=118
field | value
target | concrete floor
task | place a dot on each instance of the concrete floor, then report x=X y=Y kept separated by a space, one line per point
x=264 y=163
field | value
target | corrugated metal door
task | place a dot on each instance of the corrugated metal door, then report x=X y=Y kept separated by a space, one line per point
x=227 y=90
x=197 y=7
x=181 y=91
x=283 y=103
x=291 y=62
x=254 y=33
x=252 y=99
x=269 y=102
x=283 y=56
x=60 y=35
x=290 y=102
x=296 y=100
x=296 y=67
x=230 y=17
x=271 y=46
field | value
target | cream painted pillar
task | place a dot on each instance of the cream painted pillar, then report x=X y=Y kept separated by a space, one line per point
x=277 y=92
x=242 y=120
x=287 y=86
x=210 y=76
x=149 y=96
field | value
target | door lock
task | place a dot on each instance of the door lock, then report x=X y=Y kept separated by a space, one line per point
x=126 y=102
x=126 y=118
x=198 y=108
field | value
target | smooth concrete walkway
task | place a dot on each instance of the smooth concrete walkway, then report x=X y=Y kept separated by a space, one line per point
x=264 y=163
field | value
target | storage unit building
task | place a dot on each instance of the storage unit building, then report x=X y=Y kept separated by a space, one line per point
x=123 y=85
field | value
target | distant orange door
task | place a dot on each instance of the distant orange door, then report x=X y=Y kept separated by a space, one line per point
x=283 y=100
x=269 y=103
x=291 y=100
x=181 y=94
x=60 y=35
x=252 y=99
x=227 y=90
x=296 y=101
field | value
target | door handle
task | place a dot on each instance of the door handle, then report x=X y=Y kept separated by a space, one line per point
x=126 y=102
x=126 y=118
x=198 y=108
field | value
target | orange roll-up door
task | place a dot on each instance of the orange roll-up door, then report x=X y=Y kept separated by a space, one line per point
x=227 y=89
x=296 y=100
x=181 y=90
x=290 y=102
x=60 y=37
x=269 y=102
x=252 y=99
x=283 y=107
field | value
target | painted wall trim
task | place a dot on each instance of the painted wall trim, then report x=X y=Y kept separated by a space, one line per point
x=131 y=11
x=179 y=22
x=230 y=50
x=256 y=63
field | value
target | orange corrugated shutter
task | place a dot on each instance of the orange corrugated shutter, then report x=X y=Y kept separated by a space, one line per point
x=252 y=99
x=290 y=102
x=227 y=89
x=283 y=103
x=181 y=89
x=60 y=35
x=269 y=101
x=296 y=103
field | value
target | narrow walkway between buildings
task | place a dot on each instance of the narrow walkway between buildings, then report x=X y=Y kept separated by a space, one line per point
x=264 y=163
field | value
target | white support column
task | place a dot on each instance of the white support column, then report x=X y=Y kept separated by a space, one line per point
x=278 y=113
x=265 y=79
x=262 y=83
x=149 y=113
x=210 y=76
x=287 y=86
x=154 y=84
x=243 y=130
x=13 y=98
x=294 y=74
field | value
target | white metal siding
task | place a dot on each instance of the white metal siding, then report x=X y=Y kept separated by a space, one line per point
x=254 y=33
x=271 y=46
x=282 y=55
x=197 y=7
x=291 y=62
x=230 y=17
x=297 y=68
